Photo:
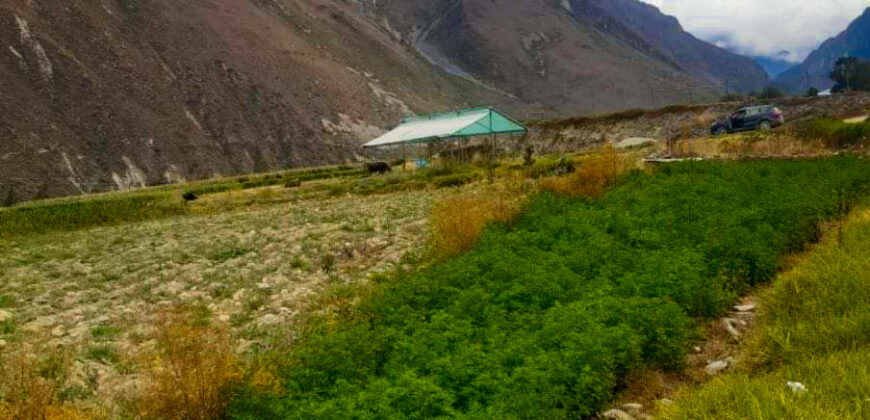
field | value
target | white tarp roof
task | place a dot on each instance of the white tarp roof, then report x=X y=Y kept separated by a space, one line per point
x=452 y=124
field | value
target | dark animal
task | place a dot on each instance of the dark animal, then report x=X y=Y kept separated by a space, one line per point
x=378 y=168
x=189 y=196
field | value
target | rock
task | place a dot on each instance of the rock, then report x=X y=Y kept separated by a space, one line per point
x=617 y=415
x=728 y=323
x=5 y=315
x=2 y=344
x=633 y=409
x=666 y=401
x=796 y=387
x=749 y=307
x=634 y=142
x=697 y=349
x=717 y=366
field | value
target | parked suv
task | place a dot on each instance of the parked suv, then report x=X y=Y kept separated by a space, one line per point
x=749 y=118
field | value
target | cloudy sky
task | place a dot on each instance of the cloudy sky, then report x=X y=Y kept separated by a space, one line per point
x=765 y=27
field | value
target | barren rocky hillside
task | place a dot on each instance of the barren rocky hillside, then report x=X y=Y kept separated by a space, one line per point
x=111 y=94
x=104 y=94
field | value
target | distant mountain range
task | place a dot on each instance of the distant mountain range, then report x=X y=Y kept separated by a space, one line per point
x=102 y=95
x=815 y=70
x=774 y=66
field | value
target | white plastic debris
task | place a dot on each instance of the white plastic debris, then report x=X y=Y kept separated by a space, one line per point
x=796 y=387
x=749 y=307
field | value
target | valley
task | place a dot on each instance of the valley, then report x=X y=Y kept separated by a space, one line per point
x=194 y=225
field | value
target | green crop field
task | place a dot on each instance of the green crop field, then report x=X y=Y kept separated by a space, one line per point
x=323 y=294
x=544 y=317
x=814 y=329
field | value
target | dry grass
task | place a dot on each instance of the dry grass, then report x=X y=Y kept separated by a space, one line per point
x=593 y=176
x=193 y=372
x=30 y=384
x=458 y=222
x=749 y=145
x=258 y=265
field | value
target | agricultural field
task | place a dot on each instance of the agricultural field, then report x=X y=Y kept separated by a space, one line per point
x=328 y=293
x=253 y=259
x=812 y=333
x=545 y=315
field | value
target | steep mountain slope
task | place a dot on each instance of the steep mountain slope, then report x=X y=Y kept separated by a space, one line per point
x=107 y=94
x=585 y=55
x=815 y=70
x=707 y=63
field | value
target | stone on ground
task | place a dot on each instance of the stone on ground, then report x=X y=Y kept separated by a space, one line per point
x=617 y=415
x=633 y=409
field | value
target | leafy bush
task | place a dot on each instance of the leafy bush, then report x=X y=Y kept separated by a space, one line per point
x=456 y=180
x=542 y=318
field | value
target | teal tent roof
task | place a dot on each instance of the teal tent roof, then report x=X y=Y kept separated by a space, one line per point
x=447 y=125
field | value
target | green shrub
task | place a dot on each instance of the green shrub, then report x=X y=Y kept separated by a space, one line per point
x=837 y=133
x=541 y=319
x=77 y=214
x=552 y=167
x=456 y=180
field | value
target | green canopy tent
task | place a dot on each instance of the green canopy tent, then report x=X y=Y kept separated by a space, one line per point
x=444 y=126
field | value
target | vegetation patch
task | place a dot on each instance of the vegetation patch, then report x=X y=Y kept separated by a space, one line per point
x=813 y=330
x=542 y=317
x=66 y=215
x=838 y=134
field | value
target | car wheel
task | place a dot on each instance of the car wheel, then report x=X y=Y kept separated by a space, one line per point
x=764 y=126
x=721 y=131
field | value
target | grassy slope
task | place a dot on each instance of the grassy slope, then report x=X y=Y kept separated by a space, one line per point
x=540 y=320
x=814 y=329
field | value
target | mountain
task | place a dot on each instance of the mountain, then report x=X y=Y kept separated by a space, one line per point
x=112 y=94
x=579 y=55
x=774 y=66
x=815 y=70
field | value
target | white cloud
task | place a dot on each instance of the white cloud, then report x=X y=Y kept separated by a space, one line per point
x=765 y=27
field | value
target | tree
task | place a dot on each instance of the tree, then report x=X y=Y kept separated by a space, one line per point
x=851 y=73
x=813 y=91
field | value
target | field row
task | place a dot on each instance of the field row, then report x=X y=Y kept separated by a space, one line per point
x=545 y=315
